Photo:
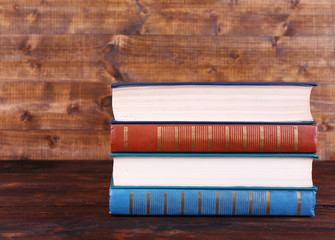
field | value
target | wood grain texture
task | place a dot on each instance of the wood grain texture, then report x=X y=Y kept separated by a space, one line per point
x=54 y=144
x=69 y=200
x=162 y=17
x=52 y=105
x=109 y=58
x=53 y=58
x=57 y=58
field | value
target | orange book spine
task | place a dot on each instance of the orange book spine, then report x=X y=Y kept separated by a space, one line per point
x=213 y=138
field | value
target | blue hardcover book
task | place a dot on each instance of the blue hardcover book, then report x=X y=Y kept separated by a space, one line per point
x=212 y=201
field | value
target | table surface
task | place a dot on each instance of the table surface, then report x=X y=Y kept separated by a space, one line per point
x=69 y=199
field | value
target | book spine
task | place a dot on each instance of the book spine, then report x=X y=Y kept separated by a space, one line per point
x=211 y=202
x=213 y=138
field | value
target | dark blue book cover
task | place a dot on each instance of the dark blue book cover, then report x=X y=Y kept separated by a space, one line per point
x=216 y=83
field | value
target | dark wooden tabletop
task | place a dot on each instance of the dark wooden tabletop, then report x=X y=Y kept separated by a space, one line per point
x=69 y=199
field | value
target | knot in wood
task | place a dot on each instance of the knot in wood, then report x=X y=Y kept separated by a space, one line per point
x=26 y=116
x=52 y=140
x=73 y=108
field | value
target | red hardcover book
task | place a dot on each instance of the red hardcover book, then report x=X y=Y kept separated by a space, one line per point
x=190 y=137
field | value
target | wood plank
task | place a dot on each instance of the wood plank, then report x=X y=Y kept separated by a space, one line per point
x=231 y=71
x=323 y=178
x=41 y=180
x=48 y=105
x=326 y=145
x=323 y=111
x=32 y=71
x=243 y=17
x=68 y=223
x=53 y=58
x=110 y=58
x=54 y=144
x=55 y=167
x=220 y=50
x=78 y=208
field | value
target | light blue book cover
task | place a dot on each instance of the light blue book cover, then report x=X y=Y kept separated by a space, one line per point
x=212 y=201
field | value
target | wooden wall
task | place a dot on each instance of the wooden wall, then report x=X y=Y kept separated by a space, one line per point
x=58 y=57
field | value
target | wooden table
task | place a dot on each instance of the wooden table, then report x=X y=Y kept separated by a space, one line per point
x=69 y=199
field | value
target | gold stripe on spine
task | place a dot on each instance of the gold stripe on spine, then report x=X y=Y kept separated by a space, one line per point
x=193 y=137
x=261 y=133
x=199 y=203
x=250 y=202
x=267 y=203
x=299 y=202
x=125 y=138
x=234 y=202
x=244 y=137
x=227 y=137
x=295 y=138
x=182 y=203
x=165 y=203
x=217 y=203
x=148 y=203
x=159 y=138
x=131 y=203
x=176 y=138
x=278 y=138
x=210 y=138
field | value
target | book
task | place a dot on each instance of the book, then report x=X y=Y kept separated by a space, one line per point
x=212 y=201
x=212 y=169
x=220 y=101
x=213 y=137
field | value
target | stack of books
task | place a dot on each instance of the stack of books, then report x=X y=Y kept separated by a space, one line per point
x=212 y=149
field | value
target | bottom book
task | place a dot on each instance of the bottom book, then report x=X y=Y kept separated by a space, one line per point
x=212 y=201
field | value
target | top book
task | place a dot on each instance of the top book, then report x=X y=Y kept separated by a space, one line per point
x=212 y=102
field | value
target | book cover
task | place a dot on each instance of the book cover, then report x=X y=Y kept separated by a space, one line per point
x=211 y=137
x=115 y=85
x=212 y=201
x=260 y=155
